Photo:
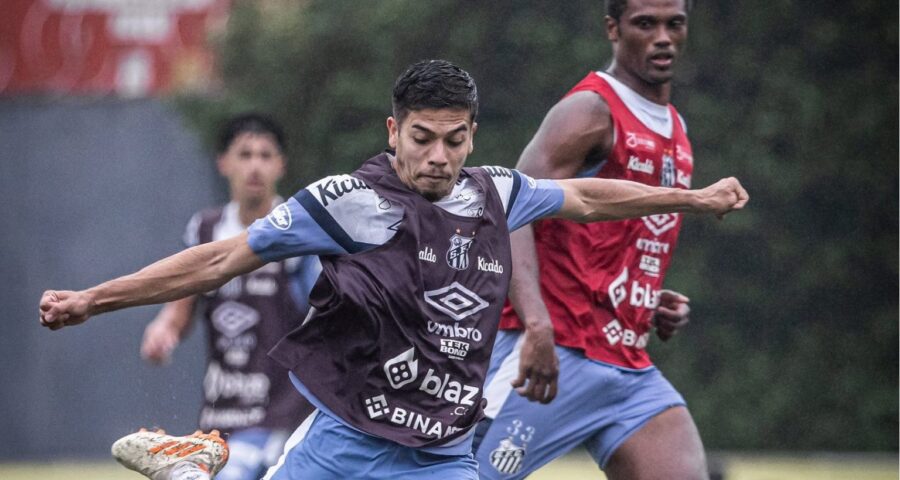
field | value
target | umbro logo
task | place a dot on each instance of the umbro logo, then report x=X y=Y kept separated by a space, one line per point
x=456 y=301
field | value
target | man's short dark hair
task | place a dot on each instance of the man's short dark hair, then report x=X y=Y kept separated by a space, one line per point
x=434 y=84
x=250 y=122
x=615 y=8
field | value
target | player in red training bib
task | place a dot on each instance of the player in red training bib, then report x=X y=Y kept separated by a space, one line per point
x=596 y=290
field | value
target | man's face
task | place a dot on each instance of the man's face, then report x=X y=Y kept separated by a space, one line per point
x=253 y=164
x=648 y=38
x=432 y=146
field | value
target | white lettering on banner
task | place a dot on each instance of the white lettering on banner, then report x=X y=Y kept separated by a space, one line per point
x=639 y=141
x=629 y=338
x=459 y=411
x=248 y=387
x=650 y=265
x=493 y=266
x=641 y=295
x=454 y=331
x=644 y=295
x=454 y=349
x=417 y=421
x=427 y=255
x=638 y=165
x=447 y=389
x=652 y=246
x=333 y=188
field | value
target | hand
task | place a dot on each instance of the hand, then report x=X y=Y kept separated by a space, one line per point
x=722 y=197
x=671 y=314
x=63 y=308
x=538 y=366
x=160 y=339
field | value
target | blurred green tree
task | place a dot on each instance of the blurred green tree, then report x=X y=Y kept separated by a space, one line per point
x=794 y=339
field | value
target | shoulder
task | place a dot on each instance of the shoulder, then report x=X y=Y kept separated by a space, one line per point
x=348 y=210
x=338 y=190
x=584 y=104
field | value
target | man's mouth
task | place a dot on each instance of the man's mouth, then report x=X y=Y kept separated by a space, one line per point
x=662 y=59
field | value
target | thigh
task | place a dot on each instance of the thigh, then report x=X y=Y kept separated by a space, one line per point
x=524 y=435
x=331 y=450
x=667 y=447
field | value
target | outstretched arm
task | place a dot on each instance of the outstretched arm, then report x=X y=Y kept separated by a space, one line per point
x=189 y=272
x=597 y=199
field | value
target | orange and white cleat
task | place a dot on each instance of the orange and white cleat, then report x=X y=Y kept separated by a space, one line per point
x=154 y=453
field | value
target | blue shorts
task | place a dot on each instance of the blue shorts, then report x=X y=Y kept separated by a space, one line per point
x=323 y=448
x=598 y=405
x=251 y=452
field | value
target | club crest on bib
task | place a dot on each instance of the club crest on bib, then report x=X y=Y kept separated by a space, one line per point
x=458 y=253
x=667 y=176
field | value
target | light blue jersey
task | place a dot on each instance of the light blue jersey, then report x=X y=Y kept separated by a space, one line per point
x=340 y=215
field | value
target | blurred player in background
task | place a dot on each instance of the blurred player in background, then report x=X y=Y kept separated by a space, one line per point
x=595 y=290
x=416 y=265
x=246 y=394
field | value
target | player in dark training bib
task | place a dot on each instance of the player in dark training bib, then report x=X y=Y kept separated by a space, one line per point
x=395 y=351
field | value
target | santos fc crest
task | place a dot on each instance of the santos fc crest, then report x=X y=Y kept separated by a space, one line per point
x=458 y=253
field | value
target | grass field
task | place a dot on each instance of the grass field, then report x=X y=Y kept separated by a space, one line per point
x=576 y=466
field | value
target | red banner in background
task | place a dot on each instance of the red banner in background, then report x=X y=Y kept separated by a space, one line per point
x=130 y=48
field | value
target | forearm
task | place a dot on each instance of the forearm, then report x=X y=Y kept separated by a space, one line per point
x=596 y=199
x=525 y=290
x=192 y=271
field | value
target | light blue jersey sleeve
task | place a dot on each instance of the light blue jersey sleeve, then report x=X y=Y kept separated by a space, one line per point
x=290 y=231
x=336 y=215
x=524 y=198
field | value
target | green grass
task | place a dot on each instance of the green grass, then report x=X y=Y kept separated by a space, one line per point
x=576 y=466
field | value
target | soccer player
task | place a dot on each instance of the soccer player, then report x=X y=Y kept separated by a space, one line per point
x=246 y=394
x=586 y=296
x=416 y=266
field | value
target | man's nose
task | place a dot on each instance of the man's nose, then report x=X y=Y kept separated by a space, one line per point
x=663 y=37
x=438 y=156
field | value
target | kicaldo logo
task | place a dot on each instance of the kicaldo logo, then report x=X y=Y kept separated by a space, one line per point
x=628 y=337
x=641 y=295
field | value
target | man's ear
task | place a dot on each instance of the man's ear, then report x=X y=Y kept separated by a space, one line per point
x=222 y=165
x=612 y=29
x=393 y=132
x=472 y=137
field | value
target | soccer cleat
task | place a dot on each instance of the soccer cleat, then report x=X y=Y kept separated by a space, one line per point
x=151 y=453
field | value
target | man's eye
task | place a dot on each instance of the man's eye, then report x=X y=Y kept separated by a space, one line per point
x=420 y=141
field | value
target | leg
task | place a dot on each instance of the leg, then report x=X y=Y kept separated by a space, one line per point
x=668 y=447
x=523 y=435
